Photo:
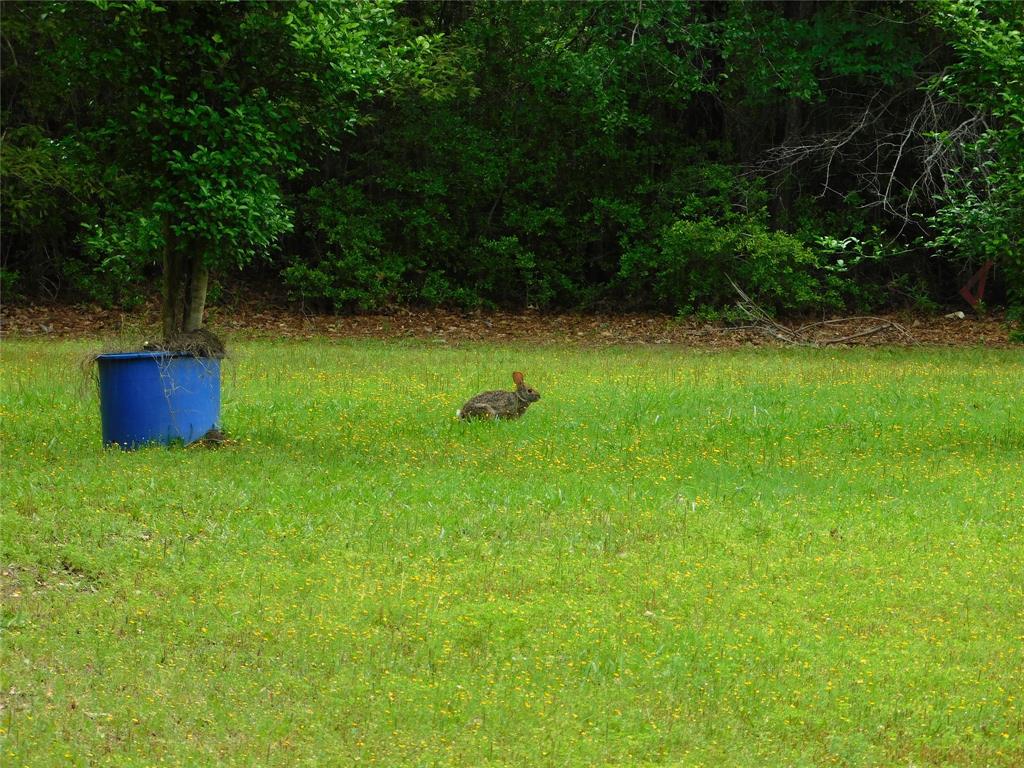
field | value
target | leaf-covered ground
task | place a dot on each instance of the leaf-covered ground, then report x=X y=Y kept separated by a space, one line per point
x=261 y=318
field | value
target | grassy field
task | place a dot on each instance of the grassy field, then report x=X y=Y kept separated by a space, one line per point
x=755 y=558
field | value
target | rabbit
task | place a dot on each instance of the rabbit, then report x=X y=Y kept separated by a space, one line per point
x=500 y=404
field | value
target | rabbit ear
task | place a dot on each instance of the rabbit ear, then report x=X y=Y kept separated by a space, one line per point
x=517 y=377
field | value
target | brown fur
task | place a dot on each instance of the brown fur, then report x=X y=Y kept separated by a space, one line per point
x=501 y=404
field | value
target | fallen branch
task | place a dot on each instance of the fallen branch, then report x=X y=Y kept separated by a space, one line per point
x=801 y=336
x=868 y=332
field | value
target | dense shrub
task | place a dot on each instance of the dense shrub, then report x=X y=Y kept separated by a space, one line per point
x=350 y=266
x=517 y=154
x=696 y=259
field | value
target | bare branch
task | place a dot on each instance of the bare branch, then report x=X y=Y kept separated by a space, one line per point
x=803 y=336
x=899 y=162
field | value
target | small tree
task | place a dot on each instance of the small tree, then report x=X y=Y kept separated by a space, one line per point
x=195 y=113
x=981 y=215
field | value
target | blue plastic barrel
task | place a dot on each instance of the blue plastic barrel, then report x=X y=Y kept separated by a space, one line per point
x=157 y=397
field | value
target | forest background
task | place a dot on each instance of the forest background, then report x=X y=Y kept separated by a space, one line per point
x=825 y=156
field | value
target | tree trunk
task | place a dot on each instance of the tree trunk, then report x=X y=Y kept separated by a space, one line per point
x=791 y=135
x=792 y=124
x=196 y=303
x=174 y=276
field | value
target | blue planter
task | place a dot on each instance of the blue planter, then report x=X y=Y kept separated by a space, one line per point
x=157 y=397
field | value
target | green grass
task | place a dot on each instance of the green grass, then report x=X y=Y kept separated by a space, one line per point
x=757 y=558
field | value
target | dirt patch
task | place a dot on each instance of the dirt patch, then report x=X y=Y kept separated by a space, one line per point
x=199 y=343
x=18 y=581
x=214 y=438
x=259 y=320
